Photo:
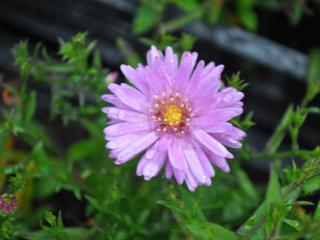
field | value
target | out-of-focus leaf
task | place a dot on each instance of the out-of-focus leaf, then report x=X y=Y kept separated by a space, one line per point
x=247 y=14
x=311 y=185
x=313 y=87
x=22 y=58
x=131 y=56
x=186 y=5
x=222 y=233
x=146 y=17
x=81 y=149
x=215 y=10
x=30 y=106
x=296 y=12
x=187 y=41
x=313 y=110
x=69 y=233
x=40 y=159
x=316 y=215
x=293 y=223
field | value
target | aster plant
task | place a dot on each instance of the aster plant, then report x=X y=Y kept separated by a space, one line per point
x=177 y=113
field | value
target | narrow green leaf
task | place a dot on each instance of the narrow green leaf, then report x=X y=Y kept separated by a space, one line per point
x=278 y=135
x=313 y=87
x=30 y=106
x=40 y=159
x=274 y=205
x=316 y=215
x=293 y=223
x=222 y=233
x=274 y=196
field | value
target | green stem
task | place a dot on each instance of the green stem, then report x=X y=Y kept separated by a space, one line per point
x=284 y=154
x=23 y=90
x=179 y=22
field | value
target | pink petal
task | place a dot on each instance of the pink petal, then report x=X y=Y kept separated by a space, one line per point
x=195 y=79
x=192 y=184
x=205 y=162
x=171 y=64
x=119 y=142
x=154 y=158
x=186 y=66
x=176 y=156
x=136 y=147
x=135 y=76
x=179 y=175
x=125 y=115
x=219 y=161
x=169 y=171
x=210 y=143
x=129 y=96
x=194 y=163
x=126 y=128
x=211 y=118
x=114 y=100
x=152 y=54
x=150 y=167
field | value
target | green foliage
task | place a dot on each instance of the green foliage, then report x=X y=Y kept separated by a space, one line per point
x=146 y=18
x=247 y=14
x=236 y=82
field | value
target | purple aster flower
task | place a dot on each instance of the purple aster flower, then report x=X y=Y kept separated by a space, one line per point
x=8 y=203
x=177 y=114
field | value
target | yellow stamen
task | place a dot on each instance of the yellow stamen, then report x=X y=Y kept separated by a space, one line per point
x=173 y=114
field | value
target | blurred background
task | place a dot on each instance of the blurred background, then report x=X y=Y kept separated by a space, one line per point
x=269 y=42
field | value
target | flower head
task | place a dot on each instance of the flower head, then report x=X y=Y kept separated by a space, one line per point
x=8 y=203
x=177 y=114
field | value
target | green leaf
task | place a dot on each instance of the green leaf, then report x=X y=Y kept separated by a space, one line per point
x=222 y=233
x=278 y=135
x=274 y=196
x=274 y=205
x=293 y=223
x=186 y=5
x=311 y=185
x=297 y=10
x=316 y=215
x=247 y=14
x=30 y=106
x=246 y=185
x=313 y=87
x=145 y=18
x=40 y=159
x=187 y=41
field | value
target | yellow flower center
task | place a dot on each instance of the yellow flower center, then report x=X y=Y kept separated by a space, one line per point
x=173 y=114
